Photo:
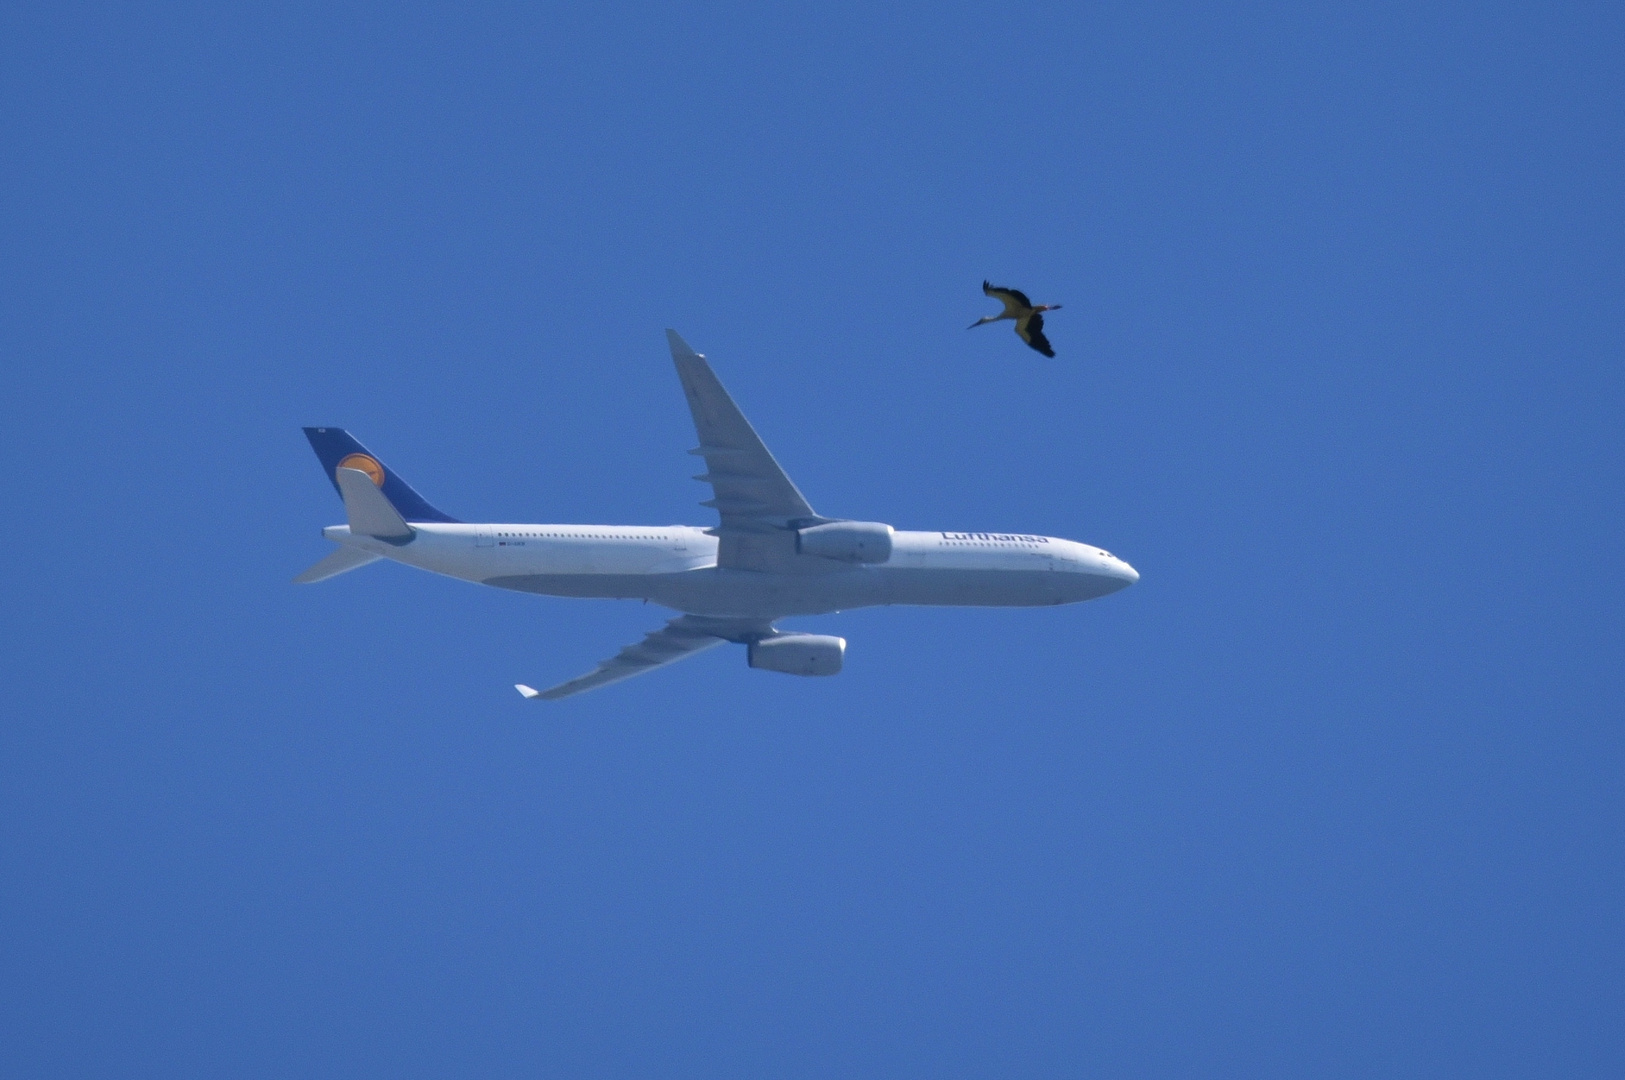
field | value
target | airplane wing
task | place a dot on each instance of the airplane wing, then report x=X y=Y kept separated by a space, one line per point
x=679 y=638
x=753 y=495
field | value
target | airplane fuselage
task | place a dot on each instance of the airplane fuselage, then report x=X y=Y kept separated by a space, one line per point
x=769 y=556
x=676 y=566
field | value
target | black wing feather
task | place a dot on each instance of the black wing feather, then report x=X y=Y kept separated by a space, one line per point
x=1019 y=296
x=1031 y=330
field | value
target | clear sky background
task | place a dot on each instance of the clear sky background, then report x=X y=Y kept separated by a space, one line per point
x=1335 y=791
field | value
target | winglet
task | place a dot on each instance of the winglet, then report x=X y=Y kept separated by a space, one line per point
x=527 y=692
x=679 y=347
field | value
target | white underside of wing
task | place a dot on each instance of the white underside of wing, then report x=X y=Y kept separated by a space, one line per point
x=682 y=637
x=1012 y=307
x=753 y=496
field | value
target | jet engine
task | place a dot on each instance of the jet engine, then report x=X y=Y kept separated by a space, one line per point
x=848 y=541
x=798 y=654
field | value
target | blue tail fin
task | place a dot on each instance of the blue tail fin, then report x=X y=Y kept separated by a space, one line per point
x=336 y=447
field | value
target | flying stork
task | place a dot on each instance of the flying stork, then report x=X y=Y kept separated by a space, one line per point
x=1029 y=323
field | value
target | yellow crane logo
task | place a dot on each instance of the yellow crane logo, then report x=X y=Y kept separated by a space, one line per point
x=366 y=464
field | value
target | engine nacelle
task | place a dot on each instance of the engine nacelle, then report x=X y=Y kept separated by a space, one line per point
x=848 y=541
x=798 y=654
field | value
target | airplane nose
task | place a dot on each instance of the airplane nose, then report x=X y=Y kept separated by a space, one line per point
x=1120 y=573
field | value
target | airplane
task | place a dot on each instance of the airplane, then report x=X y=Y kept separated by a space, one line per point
x=769 y=557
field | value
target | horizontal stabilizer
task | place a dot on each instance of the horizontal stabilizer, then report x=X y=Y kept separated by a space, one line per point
x=370 y=513
x=336 y=563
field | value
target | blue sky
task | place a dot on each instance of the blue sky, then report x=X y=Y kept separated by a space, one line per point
x=1334 y=791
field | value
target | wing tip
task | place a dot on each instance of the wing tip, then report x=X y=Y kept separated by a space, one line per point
x=529 y=693
x=679 y=347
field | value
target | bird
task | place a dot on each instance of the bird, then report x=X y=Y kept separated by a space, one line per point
x=1029 y=323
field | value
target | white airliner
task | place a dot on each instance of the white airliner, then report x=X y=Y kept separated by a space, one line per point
x=770 y=556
